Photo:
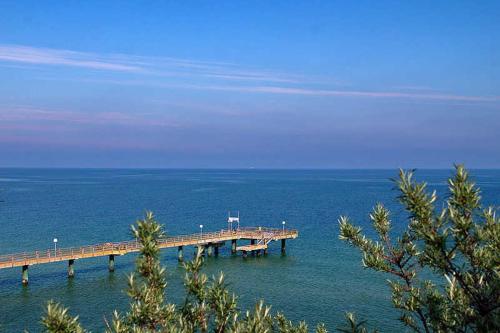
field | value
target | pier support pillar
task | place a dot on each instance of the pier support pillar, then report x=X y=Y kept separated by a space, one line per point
x=25 y=275
x=252 y=241
x=244 y=254
x=209 y=250
x=180 y=257
x=111 y=263
x=71 y=268
x=216 y=250
x=265 y=251
x=283 y=246
x=233 y=246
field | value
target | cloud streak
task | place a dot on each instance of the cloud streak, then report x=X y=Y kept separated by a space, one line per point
x=43 y=56
x=212 y=76
x=351 y=93
x=279 y=90
x=149 y=66
x=40 y=117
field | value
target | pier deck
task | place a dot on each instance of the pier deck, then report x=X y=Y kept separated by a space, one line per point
x=206 y=239
x=252 y=247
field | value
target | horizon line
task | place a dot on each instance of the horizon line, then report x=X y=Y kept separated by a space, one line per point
x=240 y=168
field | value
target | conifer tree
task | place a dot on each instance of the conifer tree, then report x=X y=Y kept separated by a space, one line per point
x=458 y=244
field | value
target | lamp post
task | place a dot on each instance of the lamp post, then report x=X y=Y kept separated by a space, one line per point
x=55 y=247
x=283 y=223
x=201 y=230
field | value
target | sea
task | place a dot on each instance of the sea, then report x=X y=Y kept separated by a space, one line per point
x=318 y=280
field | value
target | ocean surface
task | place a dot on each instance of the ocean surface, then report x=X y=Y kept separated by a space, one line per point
x=318 y=280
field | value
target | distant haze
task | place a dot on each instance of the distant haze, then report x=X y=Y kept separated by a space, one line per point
x=312 y=84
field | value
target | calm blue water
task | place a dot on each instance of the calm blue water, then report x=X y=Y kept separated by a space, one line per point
x=318 y=280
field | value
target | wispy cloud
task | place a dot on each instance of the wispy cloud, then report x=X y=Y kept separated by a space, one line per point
x=209 y=75
x=280 y=90
x=414 y=88
x=152 y=66
x=352 y=93
x=31 y=55
x=41 y=116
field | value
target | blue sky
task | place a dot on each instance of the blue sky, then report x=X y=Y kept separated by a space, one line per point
x=266 y=84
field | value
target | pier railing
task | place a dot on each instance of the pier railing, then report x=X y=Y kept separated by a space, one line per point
x=119 y=248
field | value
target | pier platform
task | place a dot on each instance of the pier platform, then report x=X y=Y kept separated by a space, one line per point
x=252 y=247
x=259 y=237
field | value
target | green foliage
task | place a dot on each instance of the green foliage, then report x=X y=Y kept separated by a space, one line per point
x=58 y=320
x=353 y=326
x=148 y=310
x=460 y=245
x=208 y=305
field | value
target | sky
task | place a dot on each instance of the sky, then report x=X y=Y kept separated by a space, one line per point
x=249 y=84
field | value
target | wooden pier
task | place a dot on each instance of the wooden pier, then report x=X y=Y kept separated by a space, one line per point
x=210 y=242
